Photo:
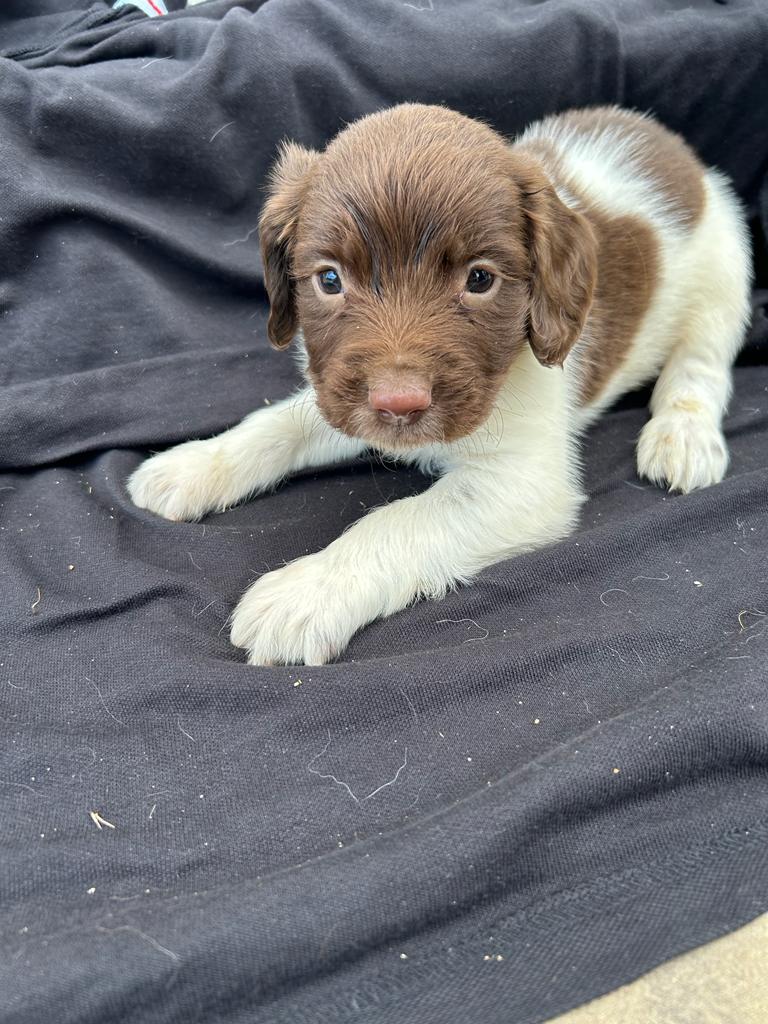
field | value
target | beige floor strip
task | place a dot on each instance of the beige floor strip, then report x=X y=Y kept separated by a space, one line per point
x=724 y=982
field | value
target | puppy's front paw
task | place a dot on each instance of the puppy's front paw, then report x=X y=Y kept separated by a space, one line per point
x=183 y=483
x=298 y=615
x=684 y=449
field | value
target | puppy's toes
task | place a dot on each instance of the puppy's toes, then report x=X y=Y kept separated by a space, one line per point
x=297 y=615
x=683 y=450
x=183 y=483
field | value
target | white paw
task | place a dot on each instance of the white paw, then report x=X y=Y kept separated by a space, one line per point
x=303 y=614
x=183 y=483
x=683 y=449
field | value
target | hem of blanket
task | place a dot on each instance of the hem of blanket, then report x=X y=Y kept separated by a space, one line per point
x=483 y=966
x=612 y=930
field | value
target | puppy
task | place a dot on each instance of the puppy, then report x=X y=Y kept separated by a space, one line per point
x=470 y=306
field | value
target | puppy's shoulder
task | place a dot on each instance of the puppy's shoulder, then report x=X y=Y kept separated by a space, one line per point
x=621 y=159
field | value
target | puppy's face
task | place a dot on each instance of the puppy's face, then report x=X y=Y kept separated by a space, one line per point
x=418 y=254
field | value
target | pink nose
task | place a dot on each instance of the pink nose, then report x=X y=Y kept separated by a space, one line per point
x=400 y=403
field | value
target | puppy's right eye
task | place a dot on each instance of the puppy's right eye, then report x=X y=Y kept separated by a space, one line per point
x=329 y=281
x=479 y=281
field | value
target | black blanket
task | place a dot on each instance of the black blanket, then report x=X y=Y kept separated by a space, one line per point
x=492 y=808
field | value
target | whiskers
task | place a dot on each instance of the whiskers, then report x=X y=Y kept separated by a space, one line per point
x=490 y=435
x=308 y=418
x=432 y=439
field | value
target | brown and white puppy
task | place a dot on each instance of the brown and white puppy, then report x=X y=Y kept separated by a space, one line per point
x=469 y=306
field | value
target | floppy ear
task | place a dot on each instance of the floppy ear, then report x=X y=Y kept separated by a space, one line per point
x=563 y=251
x=277 y=231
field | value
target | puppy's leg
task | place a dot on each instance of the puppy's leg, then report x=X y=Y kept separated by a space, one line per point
x=197 y=477
x=682 y=444
x=479 y=513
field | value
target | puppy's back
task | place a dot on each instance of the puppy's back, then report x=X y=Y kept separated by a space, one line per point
x=624 y=161
x=670 y=231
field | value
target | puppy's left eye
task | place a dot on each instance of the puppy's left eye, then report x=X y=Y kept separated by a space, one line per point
x=479 y=280
x=329 y=281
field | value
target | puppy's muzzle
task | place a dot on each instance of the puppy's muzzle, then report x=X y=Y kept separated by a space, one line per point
x=399 y=405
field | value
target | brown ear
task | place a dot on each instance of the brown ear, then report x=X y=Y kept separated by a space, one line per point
x=277 y=231
x=563 y=253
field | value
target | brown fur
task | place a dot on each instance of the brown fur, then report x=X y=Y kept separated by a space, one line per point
x=401 y=202
x=664 y=156
x=277 y=231
x=627 y=275
x=627 y=272
x=628 y=261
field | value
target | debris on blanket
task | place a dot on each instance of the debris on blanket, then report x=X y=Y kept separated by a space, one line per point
x=220 y=130
x=458 y=622
x=754 y=612
x=345 y=785
x=100 y=822
x=184 y=731
x=36 y=603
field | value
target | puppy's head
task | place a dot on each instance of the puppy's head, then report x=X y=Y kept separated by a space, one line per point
x=418 y=254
